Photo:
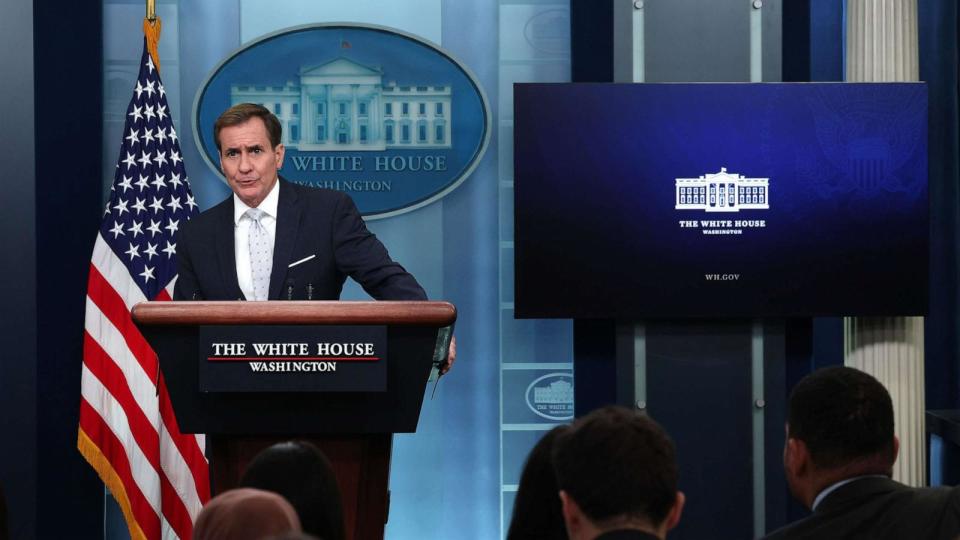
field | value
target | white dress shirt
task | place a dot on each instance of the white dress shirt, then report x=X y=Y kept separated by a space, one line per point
x=241 y=231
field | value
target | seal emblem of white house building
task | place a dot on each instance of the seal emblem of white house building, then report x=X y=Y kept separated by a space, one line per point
x=551 y=396
x=386 y=116
x=344 y=105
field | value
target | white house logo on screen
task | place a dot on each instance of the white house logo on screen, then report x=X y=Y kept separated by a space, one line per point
x=551 y=396
x=722 y=192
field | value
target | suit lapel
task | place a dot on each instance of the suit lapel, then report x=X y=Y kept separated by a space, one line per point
x=226 y=256
x=288 y=224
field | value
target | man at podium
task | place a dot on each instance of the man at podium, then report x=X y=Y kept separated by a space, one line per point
x=274 y=240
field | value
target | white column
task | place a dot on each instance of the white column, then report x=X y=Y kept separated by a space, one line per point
x=882 y=43
x=308 y=119
x=881 y=46
x=354 y=117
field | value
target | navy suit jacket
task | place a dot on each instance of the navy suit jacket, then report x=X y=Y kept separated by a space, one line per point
x=321 y=223
x=880 y=509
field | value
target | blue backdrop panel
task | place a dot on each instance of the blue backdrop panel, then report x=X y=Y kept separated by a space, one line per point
x=450 y=245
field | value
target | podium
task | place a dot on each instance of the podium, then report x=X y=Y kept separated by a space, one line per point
x=238 y=372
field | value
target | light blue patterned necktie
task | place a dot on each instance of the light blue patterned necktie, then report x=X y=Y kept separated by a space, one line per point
x=261 y=254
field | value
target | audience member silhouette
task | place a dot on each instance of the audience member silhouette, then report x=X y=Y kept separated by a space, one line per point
x=4 y=532
x=300 y=472
x=294 y=536
x=838 y=460
x=537 y=514
x=245 y=514
x=617 y=473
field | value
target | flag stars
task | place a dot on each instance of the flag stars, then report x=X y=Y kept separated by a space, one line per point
x=150 y=185
x=136 y=114
x=133 y=138
x=144 y=159
x=147 y=273
x=117 y=230
x=134 y=251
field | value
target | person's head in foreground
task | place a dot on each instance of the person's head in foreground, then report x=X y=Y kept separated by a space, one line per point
x=536 y=510
x=839 y=426
x=301 y=473
x=617 y=470
x=245 y=514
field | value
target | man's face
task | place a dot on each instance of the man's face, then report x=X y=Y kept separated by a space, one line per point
x=248 y=160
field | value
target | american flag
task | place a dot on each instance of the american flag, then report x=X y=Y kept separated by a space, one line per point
x=128 y=432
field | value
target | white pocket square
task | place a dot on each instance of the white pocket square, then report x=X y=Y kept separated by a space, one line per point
x=301 y=261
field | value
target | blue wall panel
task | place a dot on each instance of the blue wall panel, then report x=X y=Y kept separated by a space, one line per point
x=18 y=334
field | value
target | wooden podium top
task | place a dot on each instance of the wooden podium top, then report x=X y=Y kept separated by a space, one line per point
x=388 y=313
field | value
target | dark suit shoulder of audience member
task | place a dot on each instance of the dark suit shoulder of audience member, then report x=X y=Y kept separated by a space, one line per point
x=537 y=513
x=245 y=514
x=4 y=532
x=880 y=509
x=301 y=473
x=838 y=460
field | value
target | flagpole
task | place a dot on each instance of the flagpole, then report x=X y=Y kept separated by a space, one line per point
x=151 y=29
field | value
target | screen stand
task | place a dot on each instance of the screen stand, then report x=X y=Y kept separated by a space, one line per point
x=711 y=383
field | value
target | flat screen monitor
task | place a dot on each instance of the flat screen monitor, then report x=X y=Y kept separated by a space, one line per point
x=720 y=200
